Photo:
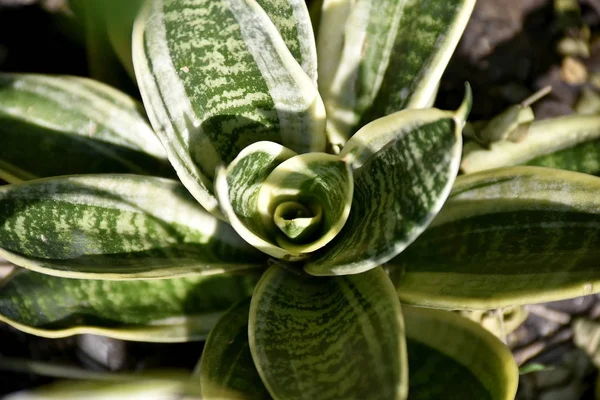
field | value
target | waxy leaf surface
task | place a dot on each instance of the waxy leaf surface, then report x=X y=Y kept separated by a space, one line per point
x=238 y=186
x=159 y=310
x=61 y=125
x=216 y=76
x=284 y=204
x=227 y=369
x=405 y=165
x=569 y=142
x=583 y=157
x=116 y=227
x=451 y=357
x=508 y=236
x=328 y=337
x=376 y=58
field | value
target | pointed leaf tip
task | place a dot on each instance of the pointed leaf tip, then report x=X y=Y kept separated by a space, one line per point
x=464 y=109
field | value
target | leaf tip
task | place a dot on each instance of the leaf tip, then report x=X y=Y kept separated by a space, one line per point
x=465 y=107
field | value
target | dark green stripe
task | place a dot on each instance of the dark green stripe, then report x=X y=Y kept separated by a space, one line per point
x=113 y=224
x=396 y=193
x=328 y=338
x=52 y=303
x=584 y=157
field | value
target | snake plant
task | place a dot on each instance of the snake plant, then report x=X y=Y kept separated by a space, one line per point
x=306 y=201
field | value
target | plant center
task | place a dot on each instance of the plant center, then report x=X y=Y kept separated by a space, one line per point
x=298 y=222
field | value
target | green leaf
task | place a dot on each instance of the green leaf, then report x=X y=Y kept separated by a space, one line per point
x=505 y=237
x=583 y=157
x=534 y=367
x=60 y=125
x=157 y=310
x=451 y=357
x=238 y=187
x=227 y=370
x=119 y=17
x=142 y=388
x=405 y=165
x=284 y=204
x=116 y=227
x=102 y=61
x=293 y=22
x=381 y=57
x=328 y=338
x=215 y=85
x=306 y=201
x=565 y=135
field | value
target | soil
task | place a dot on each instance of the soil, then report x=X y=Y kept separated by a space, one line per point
x=507 y=52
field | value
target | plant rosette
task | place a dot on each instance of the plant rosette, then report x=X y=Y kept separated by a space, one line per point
x=306 y=209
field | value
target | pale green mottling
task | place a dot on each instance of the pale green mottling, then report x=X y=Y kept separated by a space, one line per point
x=170 y=310
x=307 y=333
x=393 y=56
x=60 y=125
x=536 y=230
x=116 y=227
x=405 y=165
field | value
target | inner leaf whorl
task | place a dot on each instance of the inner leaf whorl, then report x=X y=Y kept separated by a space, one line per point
x=299 y=223
x=305 y=201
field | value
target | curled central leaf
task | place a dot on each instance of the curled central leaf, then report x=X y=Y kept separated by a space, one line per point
x=315 y=192
x=297 y=221
x=287 y=205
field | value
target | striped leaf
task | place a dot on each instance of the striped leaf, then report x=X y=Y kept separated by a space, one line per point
x=59 y=125
x=227 y=370
x=377 y=58
x=216 y=76
x=159 y=310
x=451 y=357
x=238 y=186
x=569 y=141
x=405 y=165
x=328 y=338
x=293 y=22
x=505 y=237
x=115 y=227
x=584 y=157
x=287 y=206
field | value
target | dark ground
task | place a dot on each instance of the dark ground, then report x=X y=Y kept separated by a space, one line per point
x=507 y=52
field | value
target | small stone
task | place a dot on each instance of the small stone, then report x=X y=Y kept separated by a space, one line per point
x=573 y=71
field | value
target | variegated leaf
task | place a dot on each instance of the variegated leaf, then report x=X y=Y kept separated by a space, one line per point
x=450 y=357
x=284 y=204
x=60 y=125
x=116 y=227
x=227 y=370
x=568 y=141
x=216 y=76
x=405 y=165
x=376 y=58
x=328 y=338
x=584 y=157
x=158 y=310
x=293 y=21
x=509 y=236
x=238 y=186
